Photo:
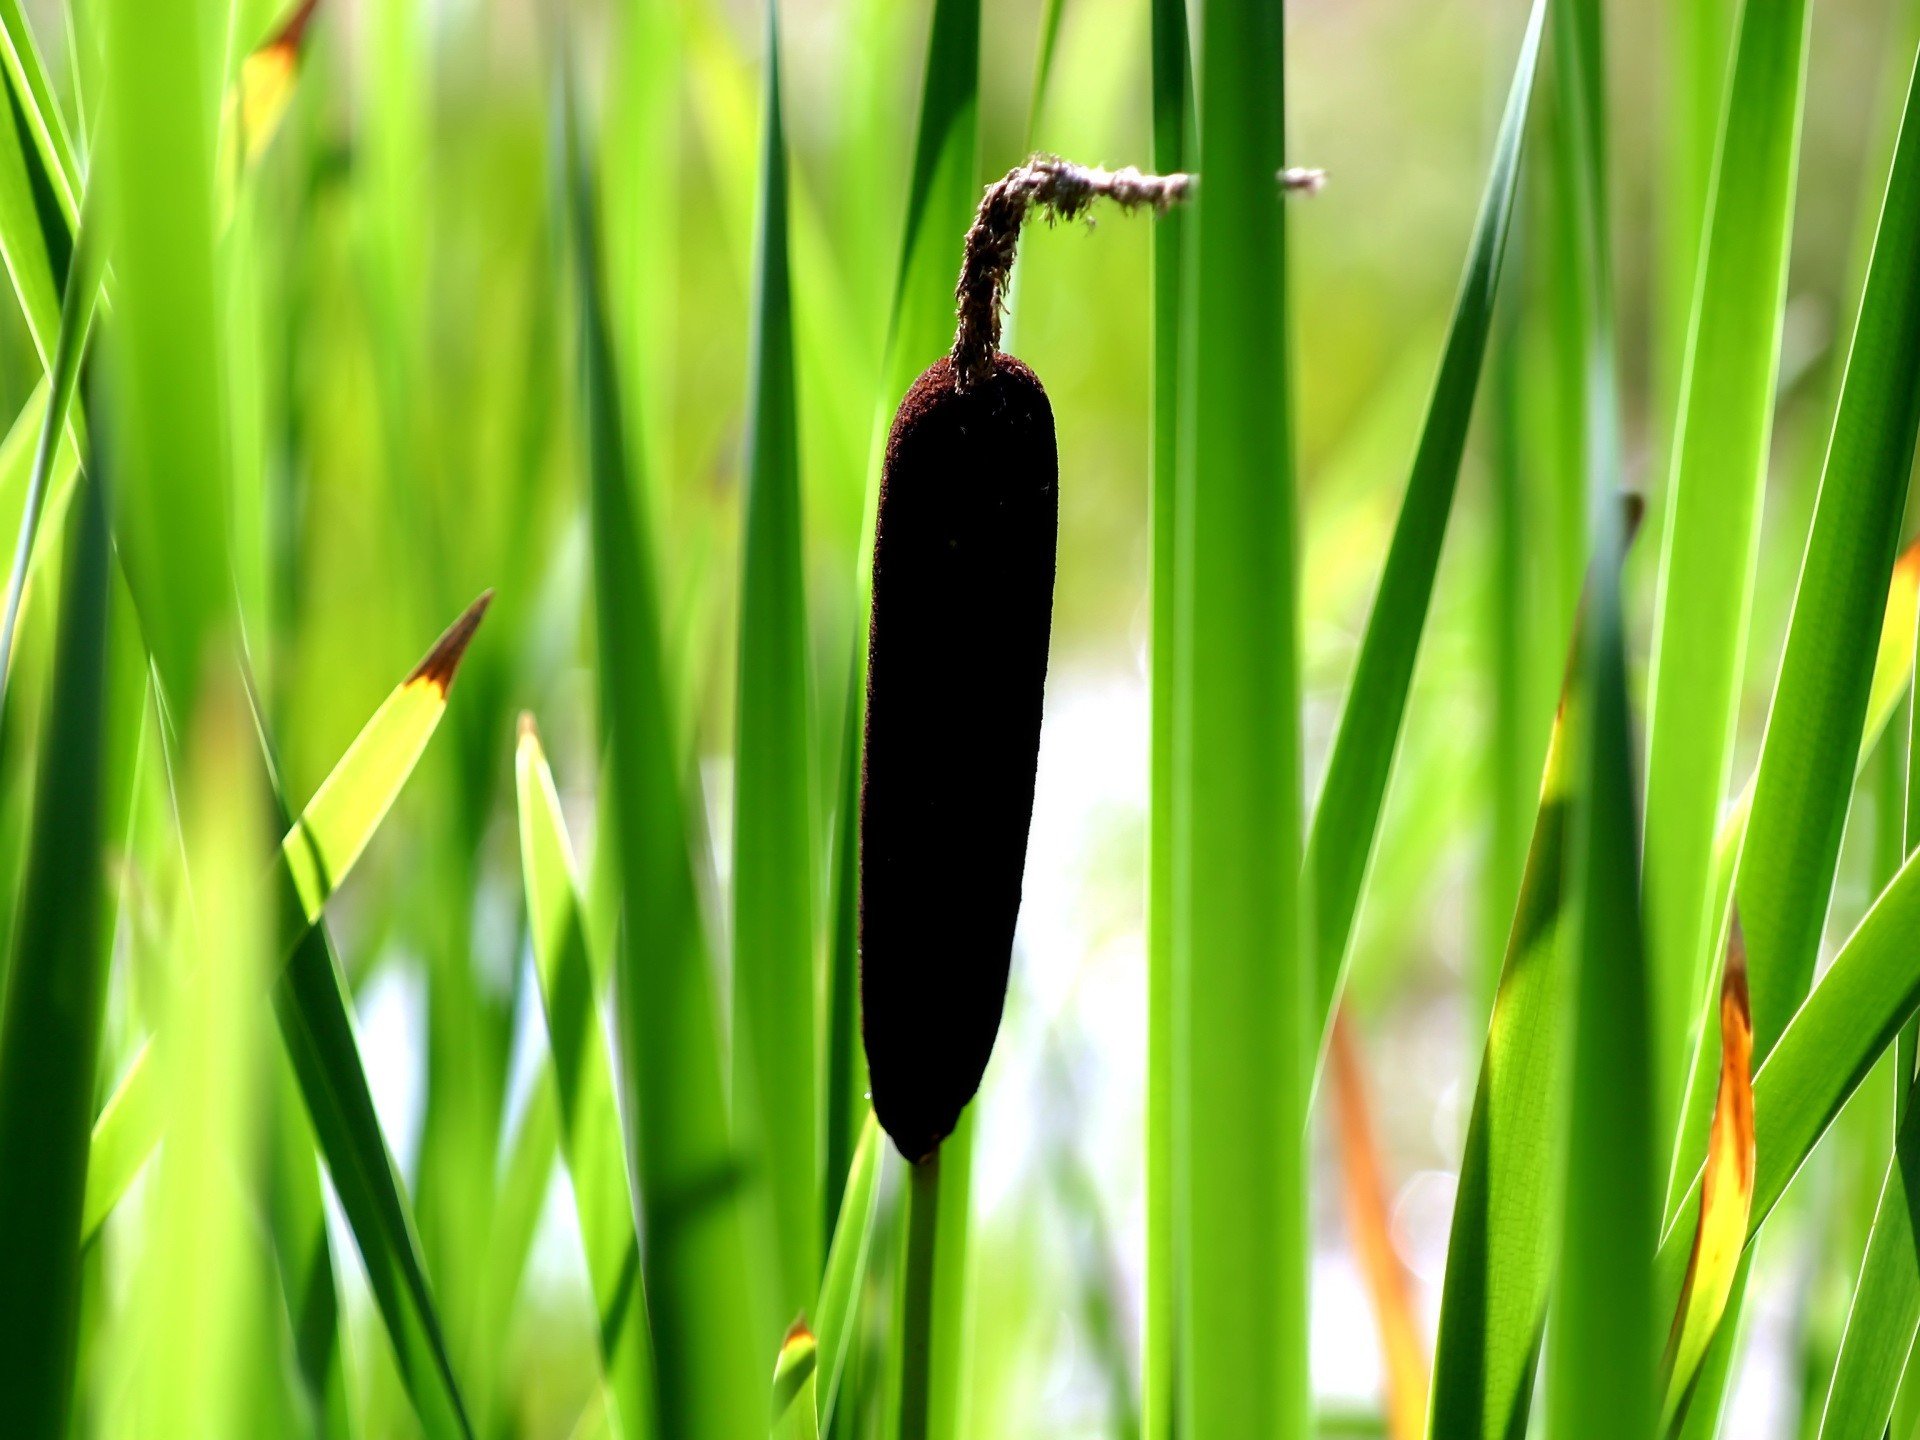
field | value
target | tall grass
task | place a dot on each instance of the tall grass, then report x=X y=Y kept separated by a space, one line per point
x=520 y=1089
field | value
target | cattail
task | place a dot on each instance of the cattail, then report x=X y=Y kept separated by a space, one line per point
x=963 y=563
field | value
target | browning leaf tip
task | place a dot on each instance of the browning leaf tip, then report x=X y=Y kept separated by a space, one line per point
x=293 y=30
x=443 y=660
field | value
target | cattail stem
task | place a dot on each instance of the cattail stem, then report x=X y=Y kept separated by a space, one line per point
x=917 y=1299
x=1062 y=190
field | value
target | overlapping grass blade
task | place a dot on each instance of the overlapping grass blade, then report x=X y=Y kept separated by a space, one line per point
x=1827 y=683
x=776 y=1085
x=316 y=1024
x=1347 y=816
x=314 y=858
x=1243 y=988
x=835 y=1312
x=76 y=323
x=1821 y=1057
x=1712 y=526
x=303 y=1251
x=54 y=1003
x=1805 y=776
x=1885 y=1314
x=583 y=1080
x=1500 y=1251
x=706 y=1321
x=51 y=144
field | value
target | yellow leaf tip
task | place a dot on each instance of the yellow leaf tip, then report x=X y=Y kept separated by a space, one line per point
x=443 y=660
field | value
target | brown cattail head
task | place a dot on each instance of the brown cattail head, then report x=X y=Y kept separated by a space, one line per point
x=963 y=564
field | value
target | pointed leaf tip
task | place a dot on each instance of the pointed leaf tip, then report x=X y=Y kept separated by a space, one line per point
x=293 y=30
x=443 y=660
x=1633 y=505
x=529 y=730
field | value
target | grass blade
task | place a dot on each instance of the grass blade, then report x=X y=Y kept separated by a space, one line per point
x=583 y=1081
x=1347 y=815
x=1885 y=1314
x=1601 y=1366
x=1712 y=524
x=76 y=323
x=836 y=1311
x=706 y=1331
x=1805 y=777
x=1827 y=684
x=1243 y=958
x=1172 y=124
x=775 y=1052
x=54 y=1004
x=1500 y=1252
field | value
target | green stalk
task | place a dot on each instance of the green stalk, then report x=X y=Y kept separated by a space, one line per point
x=1243 y=967
x=1172 y=120
x=917 y=1308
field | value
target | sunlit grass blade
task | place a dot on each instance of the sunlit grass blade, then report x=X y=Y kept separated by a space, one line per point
x=583 y=1077
x=1726 y=1189
x=707 y=1341
x=776 y=1085
x=1243 y=989
x=316 y=1022
x=53 y=1008
x=1885 y=1314
x=1500 y=1251
x=1805 y=776
x=1346 y=817
x=1832 y=685
x=76 y=323
x=1712 y=509
x=314 y=859
x=1370 y=1231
